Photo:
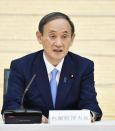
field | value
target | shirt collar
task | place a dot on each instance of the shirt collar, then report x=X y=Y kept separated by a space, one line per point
x=50 y=67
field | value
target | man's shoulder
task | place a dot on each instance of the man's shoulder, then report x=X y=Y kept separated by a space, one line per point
x=80 y=63
x=28 y=57
x=78 y=58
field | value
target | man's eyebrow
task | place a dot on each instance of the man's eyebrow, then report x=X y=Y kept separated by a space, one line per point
x=67 y=32
x=52 y=31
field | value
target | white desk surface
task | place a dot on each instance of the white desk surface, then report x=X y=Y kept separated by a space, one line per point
x=97 y=126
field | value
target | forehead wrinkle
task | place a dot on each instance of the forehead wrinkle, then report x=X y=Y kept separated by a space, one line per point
x=54 y=31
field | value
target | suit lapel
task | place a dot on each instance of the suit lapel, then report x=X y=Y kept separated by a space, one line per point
x=42 y=80
x=65 y=82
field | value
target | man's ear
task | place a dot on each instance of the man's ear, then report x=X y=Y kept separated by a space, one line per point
x=72 y=39
x=39 y=37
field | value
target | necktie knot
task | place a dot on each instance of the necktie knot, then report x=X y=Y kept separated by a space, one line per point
x=54 y=73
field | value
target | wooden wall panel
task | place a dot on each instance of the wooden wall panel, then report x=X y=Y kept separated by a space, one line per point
x=100 y=48
x=87 y=28
x=105 y=96
x=73 y=7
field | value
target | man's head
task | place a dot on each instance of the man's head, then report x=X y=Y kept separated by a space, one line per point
x=52 y=16
x=56 y=34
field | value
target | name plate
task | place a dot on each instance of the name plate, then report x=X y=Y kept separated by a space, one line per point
x=69 y=117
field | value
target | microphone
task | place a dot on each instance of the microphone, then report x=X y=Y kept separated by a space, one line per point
x=26 y=89
x=23 y=116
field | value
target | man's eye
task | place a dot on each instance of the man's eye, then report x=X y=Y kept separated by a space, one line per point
x=52 y=36
x=65 y=36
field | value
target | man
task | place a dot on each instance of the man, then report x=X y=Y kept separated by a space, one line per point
x=74 y=75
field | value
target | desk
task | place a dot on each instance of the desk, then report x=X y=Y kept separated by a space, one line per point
x=97 y=126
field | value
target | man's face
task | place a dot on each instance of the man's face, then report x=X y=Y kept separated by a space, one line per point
x=56 y=39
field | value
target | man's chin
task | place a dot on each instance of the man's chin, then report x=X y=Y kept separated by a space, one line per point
x=59 y=59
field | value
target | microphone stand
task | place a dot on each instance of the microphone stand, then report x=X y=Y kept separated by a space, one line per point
x=25 y=91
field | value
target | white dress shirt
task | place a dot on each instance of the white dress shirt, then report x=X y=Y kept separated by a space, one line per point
x=50 y=67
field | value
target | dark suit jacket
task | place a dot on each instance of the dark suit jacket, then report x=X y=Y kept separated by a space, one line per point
x=75 y=89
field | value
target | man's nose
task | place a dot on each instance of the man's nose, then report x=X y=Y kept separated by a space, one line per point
x=58 y=42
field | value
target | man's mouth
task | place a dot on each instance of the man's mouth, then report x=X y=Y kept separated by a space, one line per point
x=57 y=50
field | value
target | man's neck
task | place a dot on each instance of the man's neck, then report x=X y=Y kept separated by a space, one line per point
x=53 y=62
